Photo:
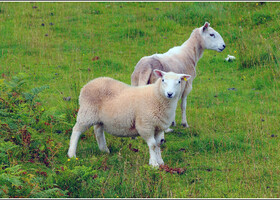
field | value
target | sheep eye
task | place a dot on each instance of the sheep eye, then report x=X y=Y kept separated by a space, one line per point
x=212 y=35
x=162 y=80
x=179 y=82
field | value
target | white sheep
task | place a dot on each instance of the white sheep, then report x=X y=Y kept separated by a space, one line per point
x=128 y=111
x=180 y=59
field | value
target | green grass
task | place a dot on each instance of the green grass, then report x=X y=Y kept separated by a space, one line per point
x=50 y=50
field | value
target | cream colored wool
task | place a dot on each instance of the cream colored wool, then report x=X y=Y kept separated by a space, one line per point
x=126 y=111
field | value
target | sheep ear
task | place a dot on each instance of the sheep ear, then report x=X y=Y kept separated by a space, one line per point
x=186 y=77
x=159 y=73
x=206 y=25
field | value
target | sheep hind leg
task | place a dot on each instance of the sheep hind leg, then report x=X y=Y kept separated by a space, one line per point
x=100 y=137
x=78 y=129
x=145 y=76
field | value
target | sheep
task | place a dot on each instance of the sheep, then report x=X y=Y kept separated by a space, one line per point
x=179 y=59
x=128 y=111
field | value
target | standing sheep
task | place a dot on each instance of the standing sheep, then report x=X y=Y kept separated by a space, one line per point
x=180 y=59
x=128 y=111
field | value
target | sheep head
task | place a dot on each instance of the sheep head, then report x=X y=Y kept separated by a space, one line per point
x=171 y=82
x=212 y=39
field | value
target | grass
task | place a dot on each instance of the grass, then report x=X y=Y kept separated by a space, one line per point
x=50 y=50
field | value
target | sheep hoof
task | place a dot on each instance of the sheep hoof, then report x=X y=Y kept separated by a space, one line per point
x=154 y=164
x=161 y=163
x=105 y=150
x=71 y=155
x=162 y=141
x=168 y=130
x=185 y=125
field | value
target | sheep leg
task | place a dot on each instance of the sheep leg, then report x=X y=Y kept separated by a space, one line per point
x=185 y=94
x=160 y=140
x=144 y=76
x=148 y=134
x=173 y=122
x=78 y=129
x=100 y=137
x=159 y=158
x=183 y=110
x=153 y=149
x=169 y=130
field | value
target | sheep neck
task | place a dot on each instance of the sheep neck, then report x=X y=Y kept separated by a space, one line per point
x=194 y=47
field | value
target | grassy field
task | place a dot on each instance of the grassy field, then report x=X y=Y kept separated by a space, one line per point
x=50 y=50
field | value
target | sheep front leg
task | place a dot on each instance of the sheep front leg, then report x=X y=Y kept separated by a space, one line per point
x=148 y=135
x=100 y=137
x=159 y=158
x=173 y=122
x=184 y=105
x=153 y=149
x=169 y=130
x=183 y=110
x=160 y=140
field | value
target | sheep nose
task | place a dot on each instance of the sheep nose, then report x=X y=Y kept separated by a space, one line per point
x=169 y=94
x=224 y=45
